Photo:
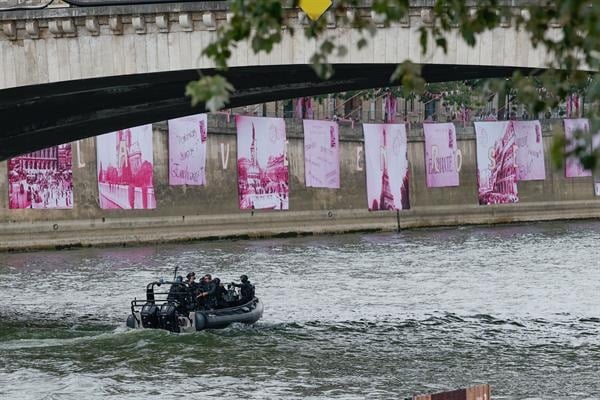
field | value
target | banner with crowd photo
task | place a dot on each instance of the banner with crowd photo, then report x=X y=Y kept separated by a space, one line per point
x=321 y=154
x=187 y=150
x=125 y=166
x=261 y=164
x=41 y=179
x=496 y=162
x=573 y=167
x=442 y=157
x=387 y=166
x=530 y=150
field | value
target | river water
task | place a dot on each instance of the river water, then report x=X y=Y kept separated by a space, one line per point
x=376 y=316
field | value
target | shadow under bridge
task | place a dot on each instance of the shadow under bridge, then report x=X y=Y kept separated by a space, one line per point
x=38 y=116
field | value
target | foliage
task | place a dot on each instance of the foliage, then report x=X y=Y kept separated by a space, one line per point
x=213 y=90
x=573 y=51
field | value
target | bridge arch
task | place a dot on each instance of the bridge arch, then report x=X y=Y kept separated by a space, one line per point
x=70 y=73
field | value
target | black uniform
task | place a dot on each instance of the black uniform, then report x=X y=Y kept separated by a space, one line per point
x=210 y=300
x=220 y=291
x=247 y=291
x=179 y=294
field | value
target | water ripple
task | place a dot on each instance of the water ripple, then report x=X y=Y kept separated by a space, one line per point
x=346 y=317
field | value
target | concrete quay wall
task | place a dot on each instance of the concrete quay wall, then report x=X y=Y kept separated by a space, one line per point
x=211 y=211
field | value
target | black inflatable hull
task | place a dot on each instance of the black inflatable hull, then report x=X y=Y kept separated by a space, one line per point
x=248 y=313
x=199 y=320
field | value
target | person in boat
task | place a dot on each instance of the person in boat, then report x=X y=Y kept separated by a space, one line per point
x=220 y=293
x=191 y=282
x=231 y=297
x=178 y=294
x=190 y=278
x=207 y=293
x=192 y=285
x=246 y=289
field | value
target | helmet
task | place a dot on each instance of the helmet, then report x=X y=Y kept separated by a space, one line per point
x=243 y=278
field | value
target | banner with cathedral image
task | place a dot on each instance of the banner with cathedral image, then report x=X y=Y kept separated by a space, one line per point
x=187 y=150
x=530 y=150
x=125 y=166
x=496 y=162
x=386 y=164
x=573 y=167
x=262 y=164
x=42 y=179
x=321 y=154
x=442 y=157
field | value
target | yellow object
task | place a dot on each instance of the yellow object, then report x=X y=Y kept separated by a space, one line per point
x=314 y=8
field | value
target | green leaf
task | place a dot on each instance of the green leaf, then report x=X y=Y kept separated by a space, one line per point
x=423 y=40
x=557 y=151
x=213 y=91
x=441 y=42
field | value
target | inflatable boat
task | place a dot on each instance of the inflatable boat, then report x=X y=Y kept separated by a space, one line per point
x=177 y=311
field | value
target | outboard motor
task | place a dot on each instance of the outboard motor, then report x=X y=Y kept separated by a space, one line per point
x=149 y=315
x=168 y=317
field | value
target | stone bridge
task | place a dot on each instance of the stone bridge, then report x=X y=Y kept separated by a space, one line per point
x=73 y=72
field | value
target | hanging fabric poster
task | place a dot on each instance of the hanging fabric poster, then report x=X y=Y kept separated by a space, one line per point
x=573 y=167
x=442 y=157
x=595 y=147
x=321 y=154
x=41 y=179
x=387 y=166
x=125 y=169
x=496 y=162
x=187 y=150
x=262 y=164
x=530 y=150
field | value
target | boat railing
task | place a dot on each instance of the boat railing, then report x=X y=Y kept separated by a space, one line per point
x=160 y=298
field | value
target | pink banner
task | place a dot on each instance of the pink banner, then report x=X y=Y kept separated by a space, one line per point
x=442 y=158
x=125 y=169
x=573 y=167
x=596 y=147
x=262 y=166
x=187 y=150
x=42 y=179
x=387 y=166
x=530 y=150
x=496 y=162
x=321 y=154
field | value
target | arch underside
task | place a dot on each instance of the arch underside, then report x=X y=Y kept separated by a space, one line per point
x=38 y=116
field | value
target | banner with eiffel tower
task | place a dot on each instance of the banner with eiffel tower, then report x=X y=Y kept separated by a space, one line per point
x=386 y=166
x=262 y=165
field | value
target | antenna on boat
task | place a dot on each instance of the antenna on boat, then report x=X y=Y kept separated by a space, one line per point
x=175 y=273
